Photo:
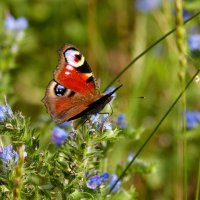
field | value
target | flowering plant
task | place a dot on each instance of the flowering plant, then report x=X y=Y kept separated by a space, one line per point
x=73 y=168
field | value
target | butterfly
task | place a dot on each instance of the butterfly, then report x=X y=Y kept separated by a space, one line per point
x=73 y=92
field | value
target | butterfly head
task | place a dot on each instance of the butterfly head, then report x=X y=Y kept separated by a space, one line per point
x=73 y=57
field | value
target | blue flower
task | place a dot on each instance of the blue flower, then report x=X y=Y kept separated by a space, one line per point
x=93 y=182
x=95 y=118
x=186 y=14
x=99 y=121
x=103 y=120
x=147 y=5
x=113 y=180
x=131 y=155
x=121 y=121
x=194 y=42
x=12 y=24
x=66 y=124
x=58 y=135
x=8 y=155
x=107 y=126
x=104 y=177
x=192 y=119
x=5 y=112
x=96 y=181
x=2 y=114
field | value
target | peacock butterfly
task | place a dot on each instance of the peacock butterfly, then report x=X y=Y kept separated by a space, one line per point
x=73 y=92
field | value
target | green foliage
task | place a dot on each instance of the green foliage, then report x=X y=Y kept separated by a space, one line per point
x=60 y=173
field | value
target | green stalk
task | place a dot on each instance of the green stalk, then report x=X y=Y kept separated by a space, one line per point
x=198 y=184
x=18 y=175
x=181 y=146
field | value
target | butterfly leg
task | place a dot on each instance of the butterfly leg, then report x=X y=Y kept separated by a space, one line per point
x=103 y=113
x=73 y=130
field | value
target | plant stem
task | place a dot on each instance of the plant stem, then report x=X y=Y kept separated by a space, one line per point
x=182 y=146
x=18 y=175
x=198 y=183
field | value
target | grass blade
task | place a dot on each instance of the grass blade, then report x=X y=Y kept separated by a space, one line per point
x=148 y=49
x=155 y=129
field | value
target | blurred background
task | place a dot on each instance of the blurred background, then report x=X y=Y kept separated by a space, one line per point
x=110 y=34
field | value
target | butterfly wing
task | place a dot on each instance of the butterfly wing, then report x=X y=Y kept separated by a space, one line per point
x=65 y=107
x=73 y=72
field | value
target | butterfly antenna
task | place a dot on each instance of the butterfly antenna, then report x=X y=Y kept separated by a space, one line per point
x=141 y=97
x=111 y=110
x=110 y=94
x=72 y=126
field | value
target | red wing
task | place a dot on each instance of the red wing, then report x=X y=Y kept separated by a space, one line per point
x=63 y=108
x=73 y=72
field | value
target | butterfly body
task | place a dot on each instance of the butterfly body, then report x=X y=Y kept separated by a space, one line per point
x=73 y=92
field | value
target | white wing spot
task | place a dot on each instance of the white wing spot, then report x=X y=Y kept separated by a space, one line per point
x=88 y=74
x=70 y=56
x=69 y=67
